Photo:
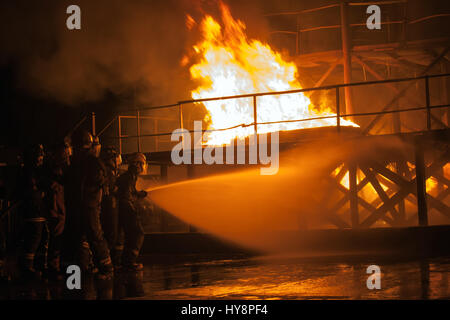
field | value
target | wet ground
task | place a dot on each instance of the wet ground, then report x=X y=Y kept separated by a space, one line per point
x=241 y=277
x=298 y=278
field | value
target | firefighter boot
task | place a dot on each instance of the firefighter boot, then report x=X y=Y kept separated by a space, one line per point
x=116 y=256
x=40 y=266
x=120 y=284
x=105 y=270
x=54 y=269
x=129 y=260
x=27 y=268
x=135 y=284
x=104 y=289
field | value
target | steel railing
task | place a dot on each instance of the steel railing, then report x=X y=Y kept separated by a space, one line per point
x=339 y=115
x=404 y=21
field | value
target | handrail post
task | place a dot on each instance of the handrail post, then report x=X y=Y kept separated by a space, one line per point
x=427 y=96
x=255 y=116
x=297 y=36
x=119 y=120
x=405 y=24
x=347 y=56
x=93 y=123
x=180 y=113
x=338 y=111
x=138 y=130
x=155 y=130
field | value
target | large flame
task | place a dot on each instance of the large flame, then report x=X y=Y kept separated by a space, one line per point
x=230 y=65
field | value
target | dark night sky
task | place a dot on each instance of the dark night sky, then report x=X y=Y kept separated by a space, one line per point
x=126 y=53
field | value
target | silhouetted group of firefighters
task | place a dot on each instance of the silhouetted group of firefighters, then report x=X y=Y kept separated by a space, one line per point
x=77 y=209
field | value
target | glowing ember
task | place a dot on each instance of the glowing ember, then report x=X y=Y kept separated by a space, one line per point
x=230 y=65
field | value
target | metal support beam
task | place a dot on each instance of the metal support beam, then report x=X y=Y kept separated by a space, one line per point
x=93 y=123
x=75 y=127
x=107 y=126
x=445 y=90
x=402 y=92
x=390 y=86
x=338 y=111
x=427 y=97
x=420 y=181
x=396 y=121
x=402 y=170
x=163 y=173
x=404 y=36
x=119 y=122
x=346 y=51
x=352 y=168
x=327 y=73
x=379 y=190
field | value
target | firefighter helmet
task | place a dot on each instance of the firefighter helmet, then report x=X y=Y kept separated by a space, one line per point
x=34 y=155
x=38 y=150
x=108 y=153
x=82 y=139
x=60 y=156
x=110 y=156
x=138 y=157
x=139 y=161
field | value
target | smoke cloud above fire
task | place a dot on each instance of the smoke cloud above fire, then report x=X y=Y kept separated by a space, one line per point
x=131 y=48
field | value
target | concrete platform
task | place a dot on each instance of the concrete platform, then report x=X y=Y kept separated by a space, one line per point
x=411 y=241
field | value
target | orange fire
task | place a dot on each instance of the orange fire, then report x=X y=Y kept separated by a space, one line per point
x=230 y=65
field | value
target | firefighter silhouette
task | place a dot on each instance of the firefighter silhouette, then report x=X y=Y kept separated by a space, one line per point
x=128 y=214
x=31 y=193
x=85 y=182
x=110 y=211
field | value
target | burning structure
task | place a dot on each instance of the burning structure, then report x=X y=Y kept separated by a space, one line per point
x=246 y=87
x=377 y=138
x=230 y=65
x=398 y=178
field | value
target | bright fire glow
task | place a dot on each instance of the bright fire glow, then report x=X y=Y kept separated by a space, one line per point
x=230 y=65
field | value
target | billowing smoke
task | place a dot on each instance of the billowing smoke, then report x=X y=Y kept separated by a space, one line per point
x=129 y=48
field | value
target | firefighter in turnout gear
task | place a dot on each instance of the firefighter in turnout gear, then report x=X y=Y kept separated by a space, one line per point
x=110 y=211
x=85 y=181
x=31 y=192
x=56 y=209
x=128 y=213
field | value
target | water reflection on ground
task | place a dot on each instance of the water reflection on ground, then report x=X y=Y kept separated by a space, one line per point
x=294 y=278
x=241 y=277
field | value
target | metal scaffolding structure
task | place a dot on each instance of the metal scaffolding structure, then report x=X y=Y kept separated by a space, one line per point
x=399 y=183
